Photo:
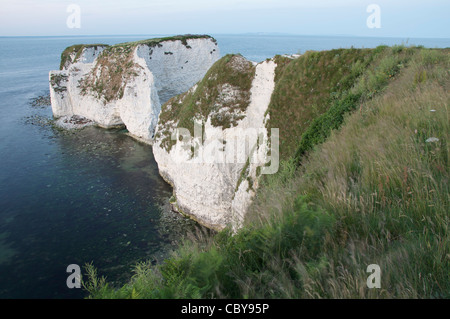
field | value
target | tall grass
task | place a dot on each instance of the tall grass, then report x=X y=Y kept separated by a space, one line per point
x=305 y=88
x=375 y=191
x=387 y=186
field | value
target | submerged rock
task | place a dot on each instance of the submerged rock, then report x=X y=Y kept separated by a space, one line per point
x=41 y=101
x=73 y=122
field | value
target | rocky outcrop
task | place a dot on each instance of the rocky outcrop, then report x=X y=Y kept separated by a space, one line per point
x=126 y=84
x=209 y=137
x=221 y=146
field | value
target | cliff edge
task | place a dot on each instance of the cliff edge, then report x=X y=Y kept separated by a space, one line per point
x=211 y=142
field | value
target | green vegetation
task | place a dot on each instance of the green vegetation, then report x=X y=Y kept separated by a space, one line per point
x=363 y=181
x=223 y=94
x=307 y=87
x=372 y=79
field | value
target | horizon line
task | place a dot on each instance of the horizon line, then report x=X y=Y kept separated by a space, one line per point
x=218 y=34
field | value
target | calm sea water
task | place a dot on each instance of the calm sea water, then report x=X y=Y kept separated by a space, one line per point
x=94 y=196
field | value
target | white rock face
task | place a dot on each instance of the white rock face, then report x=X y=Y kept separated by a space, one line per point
x=176 y=67
x=262 y=90
x=211 y=186
x=165 y=70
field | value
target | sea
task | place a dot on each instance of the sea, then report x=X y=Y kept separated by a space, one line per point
x=93 y=196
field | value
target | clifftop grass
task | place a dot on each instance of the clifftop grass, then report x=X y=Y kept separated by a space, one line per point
x=306 y=86
x=373 y=189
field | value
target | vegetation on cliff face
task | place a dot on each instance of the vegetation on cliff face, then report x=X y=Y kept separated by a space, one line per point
x=363 y=181
x=223 y=95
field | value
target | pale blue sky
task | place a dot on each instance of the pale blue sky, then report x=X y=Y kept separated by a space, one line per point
x=399 y=18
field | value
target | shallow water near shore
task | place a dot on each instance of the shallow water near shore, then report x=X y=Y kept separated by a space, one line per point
x=78 y=197
x=95 y=196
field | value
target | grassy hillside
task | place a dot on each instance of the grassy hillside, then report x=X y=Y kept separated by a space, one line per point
x=364 y=180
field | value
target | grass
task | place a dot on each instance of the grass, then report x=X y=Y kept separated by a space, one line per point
x=305 y=87
x=373 y=190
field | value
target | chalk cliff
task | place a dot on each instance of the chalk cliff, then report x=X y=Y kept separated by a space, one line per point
x=215 y=160
x=126 y=84
x=206 y=117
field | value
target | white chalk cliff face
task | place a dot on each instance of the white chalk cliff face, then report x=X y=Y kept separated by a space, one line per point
x=126 y=84
x=212 y=172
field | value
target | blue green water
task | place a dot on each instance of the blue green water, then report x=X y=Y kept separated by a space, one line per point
x=94 y=196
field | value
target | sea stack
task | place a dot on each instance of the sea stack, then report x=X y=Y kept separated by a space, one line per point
x=126 y=84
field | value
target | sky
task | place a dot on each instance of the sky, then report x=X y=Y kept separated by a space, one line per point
x=396 y=18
